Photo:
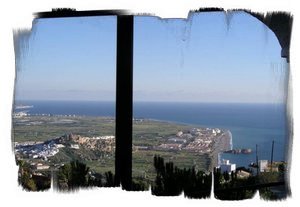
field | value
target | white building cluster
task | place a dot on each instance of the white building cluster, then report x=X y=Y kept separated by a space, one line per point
x=51 y=147
x=195 y=139
x=39 y=150
x=103 y=137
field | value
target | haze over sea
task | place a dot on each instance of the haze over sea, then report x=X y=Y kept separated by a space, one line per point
x=250 y=124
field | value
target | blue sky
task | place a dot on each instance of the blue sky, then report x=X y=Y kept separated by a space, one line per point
x=69 y=59
x=210 y=57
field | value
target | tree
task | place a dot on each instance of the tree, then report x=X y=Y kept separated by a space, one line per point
x=226 y=176
x=171 y=181
x=281 y=168
x=27 y=182
x=79 y=174
x=73 y=175
x=110 y=179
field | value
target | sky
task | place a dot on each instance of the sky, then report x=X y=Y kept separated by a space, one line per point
x=69 y=59
x=209 y=57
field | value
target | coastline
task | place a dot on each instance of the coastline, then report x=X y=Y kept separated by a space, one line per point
x=222 y=144
x=246 y=122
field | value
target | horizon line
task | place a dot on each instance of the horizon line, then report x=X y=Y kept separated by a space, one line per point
x=144 y=101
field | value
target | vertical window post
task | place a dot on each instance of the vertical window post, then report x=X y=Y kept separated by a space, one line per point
x=123 y=160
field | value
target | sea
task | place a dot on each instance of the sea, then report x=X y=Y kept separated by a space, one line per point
x=249 y=124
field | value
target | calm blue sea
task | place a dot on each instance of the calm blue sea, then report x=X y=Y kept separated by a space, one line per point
x=250 y=124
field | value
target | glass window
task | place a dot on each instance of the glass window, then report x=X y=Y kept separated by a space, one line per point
x=64 y=111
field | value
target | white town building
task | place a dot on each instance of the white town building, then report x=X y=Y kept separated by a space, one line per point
x=227 y=166
x=263 y=165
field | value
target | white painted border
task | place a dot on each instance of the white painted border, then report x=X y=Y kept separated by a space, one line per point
x=18 y=14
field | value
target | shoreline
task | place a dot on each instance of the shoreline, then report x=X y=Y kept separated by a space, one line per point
x=222 y=144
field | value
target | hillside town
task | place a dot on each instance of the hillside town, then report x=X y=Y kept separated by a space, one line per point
x=49 y=148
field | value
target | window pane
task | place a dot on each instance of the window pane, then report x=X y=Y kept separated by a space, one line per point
x=64 y=111
x=203 y=86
